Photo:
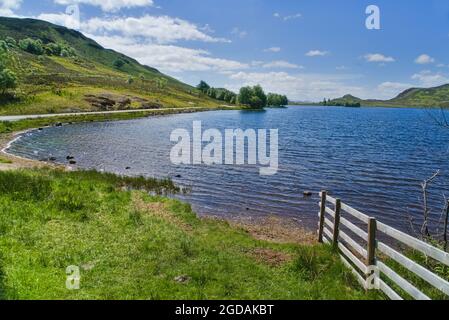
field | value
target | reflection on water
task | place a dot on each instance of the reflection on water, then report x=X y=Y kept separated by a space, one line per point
x=373 y=158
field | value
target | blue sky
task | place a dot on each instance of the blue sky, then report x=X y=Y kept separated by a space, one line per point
x=306 y=49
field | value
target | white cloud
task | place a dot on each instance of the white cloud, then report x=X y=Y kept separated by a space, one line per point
x=289 y=17
x=317 y=53
x=429 y=79
x=281 y=64
x=168 y=58
x=294 y=16
x=239 y=33
x=257 y=63
x=7 y=7
x=424 y=59
x=273 y=49
x=378 y=57
x=109 y=5
x=305 y=87
x=161 y=29
x=66 y=20
x=424 y=79
x=392 y=89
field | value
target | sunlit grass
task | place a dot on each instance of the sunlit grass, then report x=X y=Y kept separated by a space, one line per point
x=130 y=245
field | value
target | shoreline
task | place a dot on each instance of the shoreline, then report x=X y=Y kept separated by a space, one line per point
x=271 y=228
x=18 y=162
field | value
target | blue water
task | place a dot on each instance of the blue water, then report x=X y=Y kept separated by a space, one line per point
x=374 y=159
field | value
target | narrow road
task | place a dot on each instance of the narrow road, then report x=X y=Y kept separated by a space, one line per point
x=35 y=116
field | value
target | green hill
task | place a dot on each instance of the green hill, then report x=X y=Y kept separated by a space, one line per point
x=346 y=101
x=414 y=97
x=430 y=97
x=84 y=76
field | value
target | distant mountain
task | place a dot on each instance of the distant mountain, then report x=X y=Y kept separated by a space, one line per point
x=84 y=76
x=413 y=97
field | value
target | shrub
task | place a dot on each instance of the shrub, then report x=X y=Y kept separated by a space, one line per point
x=53 y=49
x=4 y=48
x=203 y=86
x=60 y=50
x=118 y=63
x=11 y=42
x=8 y=80
x=277 y=100
x=32 y=46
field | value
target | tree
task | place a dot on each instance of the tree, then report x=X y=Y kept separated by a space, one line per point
x=277 y=100
x=259 y=93
x=32 y=46
x=245 y=95
x=8 y=80
x=211 y=92
x=4 y=48
x=203 y=86
x=118 y=63
x=221 y=95
x=227 y=96
x=11 y=42
x=53 y=49
x=256 y=102
x=253 y=96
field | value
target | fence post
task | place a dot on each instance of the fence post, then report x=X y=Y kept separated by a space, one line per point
x=446 y=221
x=322 y=213
x=372 y=274
x=371 y=249
x=337 y=222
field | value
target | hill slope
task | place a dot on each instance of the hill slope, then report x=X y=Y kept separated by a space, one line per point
x=414 y=97
x=91 y=79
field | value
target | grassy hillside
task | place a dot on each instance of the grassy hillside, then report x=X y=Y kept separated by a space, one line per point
x=414 y=97
x=431 y=97
x=129 y=245
x=89 y=80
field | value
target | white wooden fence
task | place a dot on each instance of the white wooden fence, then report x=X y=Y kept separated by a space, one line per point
x=367 y=256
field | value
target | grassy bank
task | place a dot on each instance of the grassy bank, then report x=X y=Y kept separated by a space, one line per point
x=130 y=245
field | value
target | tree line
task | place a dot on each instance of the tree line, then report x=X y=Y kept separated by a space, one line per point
x=8 y=79
x=252 y=96
x=37 y=47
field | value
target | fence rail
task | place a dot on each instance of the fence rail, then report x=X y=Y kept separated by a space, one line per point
x=364 y=256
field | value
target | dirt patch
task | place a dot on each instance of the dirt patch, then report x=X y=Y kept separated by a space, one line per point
x=270 y=257
x=275 y=229
x=110 y=102
x=157 y=209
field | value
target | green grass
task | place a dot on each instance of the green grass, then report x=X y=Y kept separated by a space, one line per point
x=436 y=267
x=130 y=245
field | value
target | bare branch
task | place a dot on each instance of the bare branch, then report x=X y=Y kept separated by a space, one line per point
x=426 y=211
x=443 y=121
